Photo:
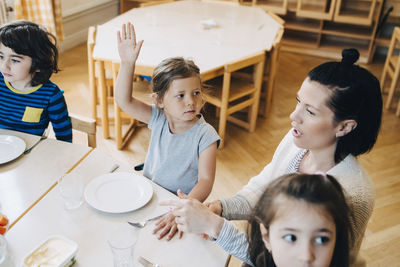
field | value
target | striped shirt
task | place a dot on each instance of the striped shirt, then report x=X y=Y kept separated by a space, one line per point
x=31 y=111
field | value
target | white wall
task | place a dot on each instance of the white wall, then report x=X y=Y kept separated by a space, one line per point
x=78 y=15
x=70 y=7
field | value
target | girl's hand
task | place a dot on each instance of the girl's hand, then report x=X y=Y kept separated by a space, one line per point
x=168 y=226
x=194 y=217
x=215 y=207
x=128 y=49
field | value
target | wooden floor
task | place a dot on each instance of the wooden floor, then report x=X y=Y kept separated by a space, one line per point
x=245 y=154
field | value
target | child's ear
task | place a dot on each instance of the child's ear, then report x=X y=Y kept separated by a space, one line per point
x=156 y=101
x=265 y=237
x=344 y=127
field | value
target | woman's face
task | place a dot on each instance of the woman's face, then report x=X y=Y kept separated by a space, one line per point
x=301 y=234
x=312 y=120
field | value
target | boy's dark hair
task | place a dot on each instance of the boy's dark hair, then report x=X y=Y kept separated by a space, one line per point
x=29 y=39
x=320 y=190
x=356 y=95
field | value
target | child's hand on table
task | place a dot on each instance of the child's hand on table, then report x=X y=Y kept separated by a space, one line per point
x=168 y=227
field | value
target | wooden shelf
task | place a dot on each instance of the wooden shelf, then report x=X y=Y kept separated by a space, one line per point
x=382 y=41
x=303 y=24
x=300 y=39
x=346 y=30
x=326 y=27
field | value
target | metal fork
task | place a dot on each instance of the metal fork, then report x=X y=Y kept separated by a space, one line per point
x=147 y=263
x=143 y=223
x=30 y=149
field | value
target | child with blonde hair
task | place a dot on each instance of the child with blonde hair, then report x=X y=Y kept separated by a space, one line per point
x=183 y=146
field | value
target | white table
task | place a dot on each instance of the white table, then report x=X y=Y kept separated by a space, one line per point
x=90 y=228
x=175 y=29
x=24 y=180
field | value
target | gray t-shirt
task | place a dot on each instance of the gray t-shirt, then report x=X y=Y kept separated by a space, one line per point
x=172 y=159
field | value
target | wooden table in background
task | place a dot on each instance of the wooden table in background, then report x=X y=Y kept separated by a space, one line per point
x=175 y=29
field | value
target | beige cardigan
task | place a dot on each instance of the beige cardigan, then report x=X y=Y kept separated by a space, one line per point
x=358 y=188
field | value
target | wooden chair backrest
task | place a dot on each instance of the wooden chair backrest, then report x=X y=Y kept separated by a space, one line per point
x=156 y=2
x=86 y=125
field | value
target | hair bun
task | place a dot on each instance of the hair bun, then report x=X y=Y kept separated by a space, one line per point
x=350 y=56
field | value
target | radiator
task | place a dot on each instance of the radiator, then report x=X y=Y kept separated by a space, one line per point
x=6 y=11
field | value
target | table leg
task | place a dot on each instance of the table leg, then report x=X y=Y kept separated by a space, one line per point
x=104 y=104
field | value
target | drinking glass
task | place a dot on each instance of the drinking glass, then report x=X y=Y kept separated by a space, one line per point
x=122 y=243
x=70 y=186
x=3 y=248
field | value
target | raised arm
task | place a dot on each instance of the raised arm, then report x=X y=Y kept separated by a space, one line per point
x=129 y=50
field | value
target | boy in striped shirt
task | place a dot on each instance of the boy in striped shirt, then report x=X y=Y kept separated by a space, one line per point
x=28 y=99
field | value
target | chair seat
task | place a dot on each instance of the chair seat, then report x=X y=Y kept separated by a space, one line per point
x=238 y=89
x=142 y=91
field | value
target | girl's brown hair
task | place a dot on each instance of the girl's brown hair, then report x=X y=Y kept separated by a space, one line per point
x=321 y=190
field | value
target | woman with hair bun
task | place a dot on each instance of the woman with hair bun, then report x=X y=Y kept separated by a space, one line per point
x=337 y=117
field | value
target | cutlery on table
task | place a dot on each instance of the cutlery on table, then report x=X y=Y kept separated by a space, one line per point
x=143 y=223
x=114 y=168
x=147 y=263
x=30 y=149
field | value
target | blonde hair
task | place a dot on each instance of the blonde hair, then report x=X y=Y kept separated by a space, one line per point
x=171 y=69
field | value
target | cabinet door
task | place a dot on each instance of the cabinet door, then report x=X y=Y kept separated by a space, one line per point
x=275 y=6
x=315 y=9
x=359 y=12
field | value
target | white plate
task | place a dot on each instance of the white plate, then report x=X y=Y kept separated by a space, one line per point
x=118 y=192
x=11 y=147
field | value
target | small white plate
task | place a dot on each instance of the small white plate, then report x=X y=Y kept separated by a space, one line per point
x=118 y=192
x=11 y=147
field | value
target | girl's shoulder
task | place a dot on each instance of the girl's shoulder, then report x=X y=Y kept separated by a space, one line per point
x=202 y=127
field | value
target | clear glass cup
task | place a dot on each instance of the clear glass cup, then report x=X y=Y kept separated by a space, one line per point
x=70 y=186
x=122 y=243
x=3 y=249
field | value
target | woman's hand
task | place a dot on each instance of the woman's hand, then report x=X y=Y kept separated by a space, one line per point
x=128 y=49
x=215 y=206
x=193 y=217
x=168 y=226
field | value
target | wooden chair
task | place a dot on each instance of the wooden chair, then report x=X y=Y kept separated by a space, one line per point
x=270 y=69
x=392 y=68
x=155 y=2
x=99 y=72
x=86 y=125
x=231 y=93
x=277 y=7
x=126 y=5
x=142 y=91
